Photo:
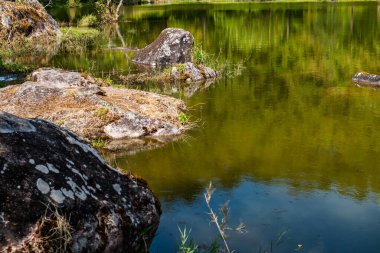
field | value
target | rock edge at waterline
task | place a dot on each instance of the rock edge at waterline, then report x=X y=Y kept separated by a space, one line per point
x=91 y=109
x=366 y=79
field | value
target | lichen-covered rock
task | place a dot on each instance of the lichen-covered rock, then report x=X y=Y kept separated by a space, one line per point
x=58 y=195
x=171 y=47
x=27 y=19
x=190 y=72
x=365 y=79
x=92 y=110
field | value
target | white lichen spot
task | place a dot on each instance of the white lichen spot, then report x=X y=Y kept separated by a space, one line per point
x=77 y=190
x=2 y=219
x=98 y=187
x=31 y=161
x=84 y=177
x=68 y=160
x=68 y=193
x=18 y=187
x=124 y=200
x=57 y=196
x=91 y=189
x=85 y=190
x=42 y=186
x=81 y=195
x=5 y=167
x=117 y=188
x=42 y=168
x=52 y=168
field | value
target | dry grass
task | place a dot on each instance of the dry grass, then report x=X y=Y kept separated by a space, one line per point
x=52 y=234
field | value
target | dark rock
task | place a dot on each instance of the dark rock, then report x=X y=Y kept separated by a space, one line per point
x=26 y=19
x=171 y=47
x=365 y=79
x=58 y=195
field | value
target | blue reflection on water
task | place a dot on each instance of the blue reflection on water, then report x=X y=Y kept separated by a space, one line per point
x=272 y=210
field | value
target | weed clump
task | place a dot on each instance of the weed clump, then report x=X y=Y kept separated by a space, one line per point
x=14 y=68
x=76 y=39
x=183 y=118
x=226 y=68
x=98 y=143
x=102 y=111
x=52 y=234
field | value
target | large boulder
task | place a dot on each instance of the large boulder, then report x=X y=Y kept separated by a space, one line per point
x=172 y=46
x=26 y=19
x=91 y=109
x=58 y=195
x=366 y=79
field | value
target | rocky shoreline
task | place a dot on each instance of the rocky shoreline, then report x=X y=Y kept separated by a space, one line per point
x=92 y=109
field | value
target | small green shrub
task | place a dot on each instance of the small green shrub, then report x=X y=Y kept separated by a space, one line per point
x=98 y=143
x=102 y=111
x=181 y=67
x=88 y=21
x=168 y=70
x=14 y=68
x=76 y=39
x=183 y=118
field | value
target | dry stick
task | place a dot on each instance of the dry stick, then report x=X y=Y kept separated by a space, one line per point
x=207 y=196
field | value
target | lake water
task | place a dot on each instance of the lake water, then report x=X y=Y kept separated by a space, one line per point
x=292 y=143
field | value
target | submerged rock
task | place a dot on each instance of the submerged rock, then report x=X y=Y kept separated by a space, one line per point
x=92 y=110
x=58 y=195
x=190 y=72
x=365 y=79
x=172 y=46
x=26 y=19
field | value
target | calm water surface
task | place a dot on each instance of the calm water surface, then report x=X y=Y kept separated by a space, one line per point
x=291 y=143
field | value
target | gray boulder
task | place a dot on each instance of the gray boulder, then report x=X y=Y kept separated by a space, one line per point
x=365 y=79
x=171 y=47
x=58 y=195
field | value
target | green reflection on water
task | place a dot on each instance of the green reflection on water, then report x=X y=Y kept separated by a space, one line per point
x=293 y=115
x=293 y=120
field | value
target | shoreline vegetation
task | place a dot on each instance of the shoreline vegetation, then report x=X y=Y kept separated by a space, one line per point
x=222 y=3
